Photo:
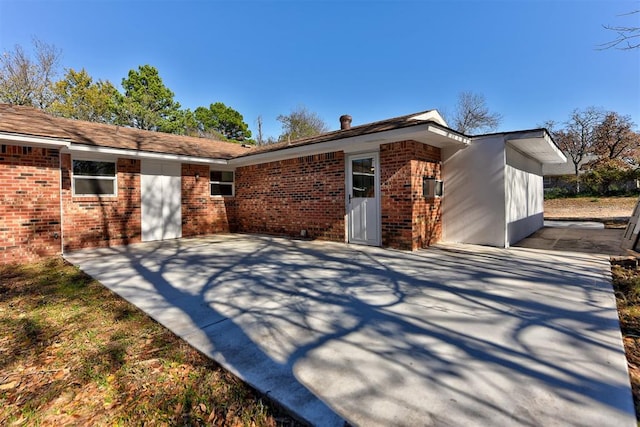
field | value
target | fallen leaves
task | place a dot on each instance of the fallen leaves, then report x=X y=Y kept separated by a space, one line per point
x=80 y=355
x=590 y=207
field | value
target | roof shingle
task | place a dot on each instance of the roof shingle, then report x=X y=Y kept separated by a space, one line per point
x=34 y=122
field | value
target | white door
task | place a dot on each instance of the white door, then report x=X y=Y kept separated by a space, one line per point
x=363 y=199
x=161 y=193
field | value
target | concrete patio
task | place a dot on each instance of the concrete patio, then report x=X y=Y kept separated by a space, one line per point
x=453 y=335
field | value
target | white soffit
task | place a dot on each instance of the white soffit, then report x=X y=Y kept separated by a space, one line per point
x=537 y=145
x=427 y=133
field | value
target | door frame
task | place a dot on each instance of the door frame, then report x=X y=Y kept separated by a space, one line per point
x=348 y=191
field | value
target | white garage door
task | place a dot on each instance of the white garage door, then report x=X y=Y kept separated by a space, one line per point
x=161 y=193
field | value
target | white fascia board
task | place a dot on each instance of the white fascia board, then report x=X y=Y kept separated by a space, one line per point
x=33 y=141
x=135 y=154
x=427 y=133
x=447 y=133
x=432 y=115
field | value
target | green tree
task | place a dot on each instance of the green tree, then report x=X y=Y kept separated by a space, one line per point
x=607 y=176
x=188 y=123
x=471 y=114
x=301 y=123
x=147 y=103
x=25 y=80
x=222 y=120
x=77 y=96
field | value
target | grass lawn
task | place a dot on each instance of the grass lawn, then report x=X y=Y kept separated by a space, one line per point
x=626 y=284
x=598 y=208
x=73 y=353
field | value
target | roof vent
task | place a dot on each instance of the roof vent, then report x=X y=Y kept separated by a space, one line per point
x=345 y=122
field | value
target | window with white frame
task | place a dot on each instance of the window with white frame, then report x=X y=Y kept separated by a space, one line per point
x=221 y=183
x=94 y=178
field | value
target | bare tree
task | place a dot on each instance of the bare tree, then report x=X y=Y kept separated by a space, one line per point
x=260 y=137
x=628 y=36
x=301 y=123
x=472 y=115
x=28 y=81
x=578 y=137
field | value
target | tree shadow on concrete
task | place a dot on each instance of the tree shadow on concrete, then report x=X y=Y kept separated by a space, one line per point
x=450 y=335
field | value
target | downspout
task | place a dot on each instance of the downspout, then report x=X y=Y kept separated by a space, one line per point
x=504 y=186
x=61 y=204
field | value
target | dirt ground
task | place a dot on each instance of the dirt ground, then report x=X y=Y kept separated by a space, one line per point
x=590 y=207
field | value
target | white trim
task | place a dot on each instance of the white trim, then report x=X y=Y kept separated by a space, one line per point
x=103 y=178
x=537 y=145
x=348 y=187
x=61 y=204
x=427 y=133
x=232 y=183
x=505 y=207
x=137 y=154
x=431 y=115
x=36 y=141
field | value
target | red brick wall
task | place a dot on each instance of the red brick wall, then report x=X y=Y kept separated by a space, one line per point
x=103 y=221
x=427 y=214
x=29 y=203
x=285 y=197
x=409 y=221
x=201 y=213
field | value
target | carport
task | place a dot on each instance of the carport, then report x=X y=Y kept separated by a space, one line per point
x=452 y=335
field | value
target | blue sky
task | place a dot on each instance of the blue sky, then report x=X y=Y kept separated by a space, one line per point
x=532 y=60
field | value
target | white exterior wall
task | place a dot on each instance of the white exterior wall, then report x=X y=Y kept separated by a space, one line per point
x=473 y=208
x=524 y=195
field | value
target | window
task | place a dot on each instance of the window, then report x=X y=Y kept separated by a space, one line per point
x=93 y=178
x=221 y=183
x=363 y=177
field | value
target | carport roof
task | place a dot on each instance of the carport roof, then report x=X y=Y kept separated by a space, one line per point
x=535 y=143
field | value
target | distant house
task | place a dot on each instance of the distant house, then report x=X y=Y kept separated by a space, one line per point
x=404 y=183
x=563 y=175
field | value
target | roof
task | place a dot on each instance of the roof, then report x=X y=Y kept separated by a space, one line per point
x=414 y=119
x=535 y=143
x=568 y=167
x=34 y=122
x=32 y=125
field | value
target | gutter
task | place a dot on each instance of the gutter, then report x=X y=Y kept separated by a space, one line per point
x=137 y=154
x=34 y=141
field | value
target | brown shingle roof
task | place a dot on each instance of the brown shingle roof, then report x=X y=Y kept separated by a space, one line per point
x=34 y=122
x=380 y=126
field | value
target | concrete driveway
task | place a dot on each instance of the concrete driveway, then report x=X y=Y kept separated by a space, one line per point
x=454 y=335
x=578 y=236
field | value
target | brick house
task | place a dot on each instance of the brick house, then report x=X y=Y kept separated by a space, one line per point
x=67 y=184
